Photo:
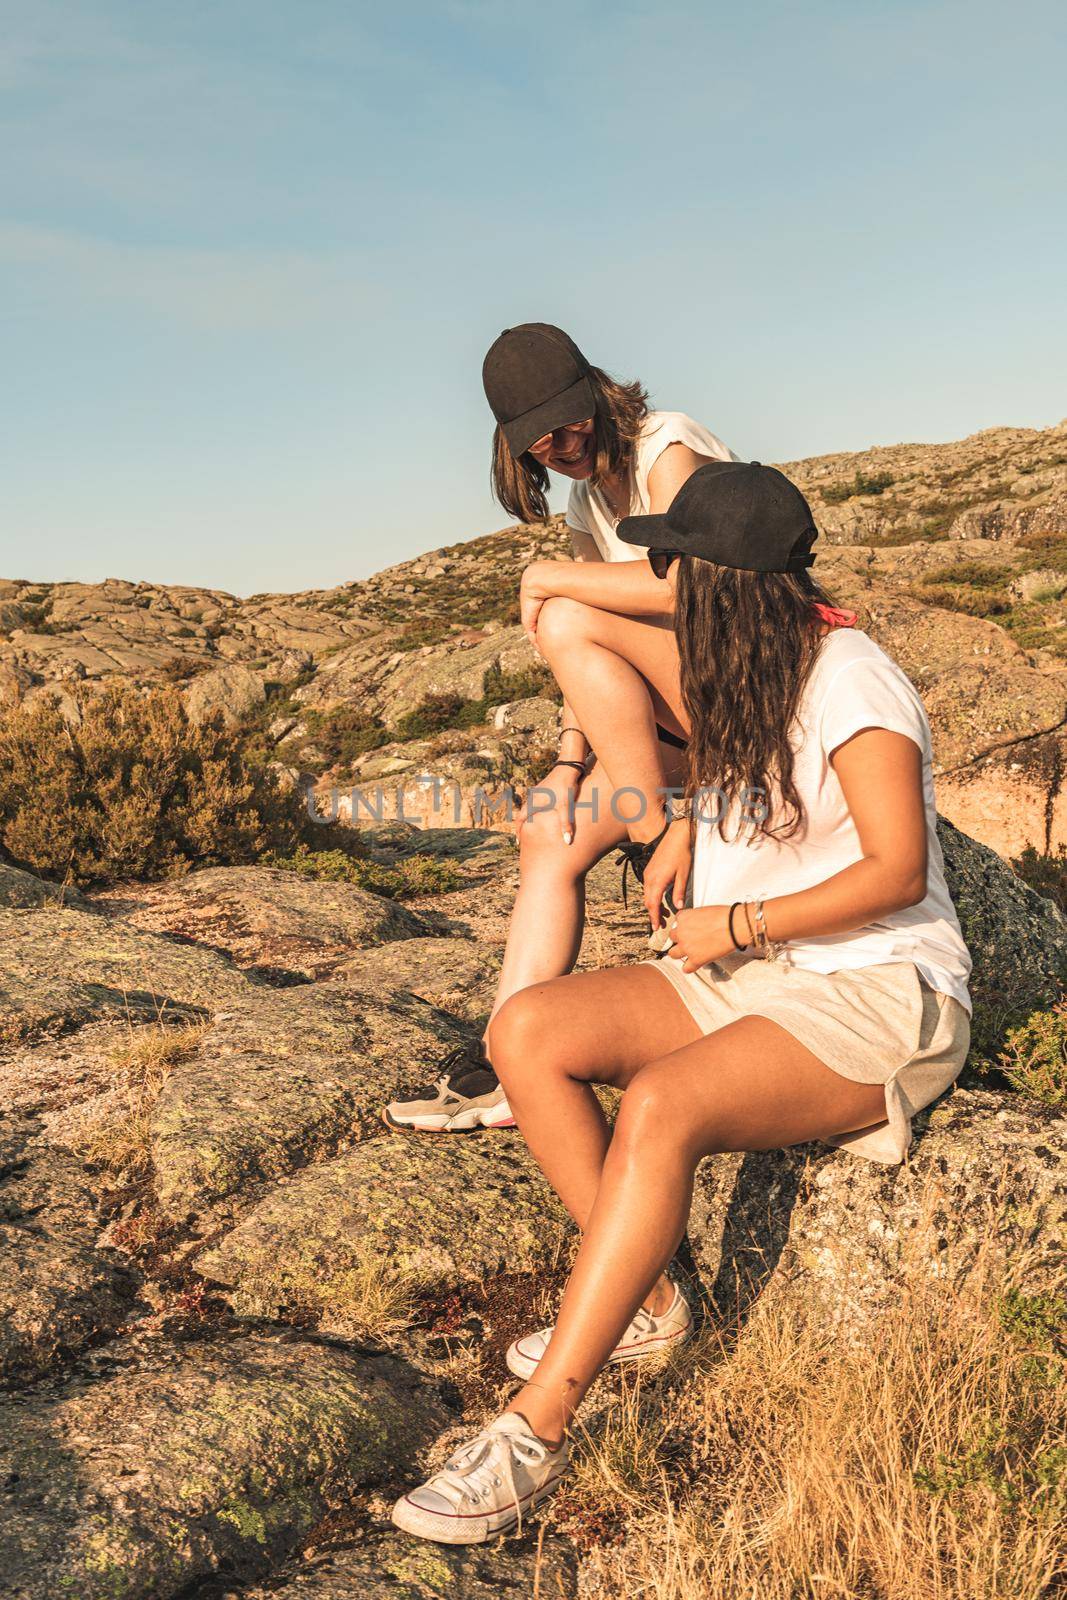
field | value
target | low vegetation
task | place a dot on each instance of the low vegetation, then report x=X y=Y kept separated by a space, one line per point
x=1034 y=1057
x=343 y=733
x=134 y=790
x=1045 y=873
x=410 y=877
x=862 y=483
x=436 y=712
x=365 y=1299
x=787 y=1461
x=120 y=1142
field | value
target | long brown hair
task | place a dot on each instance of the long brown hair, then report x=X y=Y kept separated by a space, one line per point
x=521 y=485
x=747 y=642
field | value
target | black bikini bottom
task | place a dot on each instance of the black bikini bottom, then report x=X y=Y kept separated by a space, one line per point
x=666 y=737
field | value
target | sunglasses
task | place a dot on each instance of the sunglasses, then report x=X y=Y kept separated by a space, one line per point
x=660 y=561
x=559 y=436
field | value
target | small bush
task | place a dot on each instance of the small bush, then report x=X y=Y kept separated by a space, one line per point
x=414 y=875
x=971 y=601
x=343 y=734
x=437 y=712
x=862 y=483
x=136 y=791
x=1044 y=550
x=1045 y=873
x=179 y=669
x=433 y=714
x=1034 y=1057
x=976 y=574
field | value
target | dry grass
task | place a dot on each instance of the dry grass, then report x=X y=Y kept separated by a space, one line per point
x=365 y=1298
x=120 y=1142
x=926 y=1462
x=368 y=1299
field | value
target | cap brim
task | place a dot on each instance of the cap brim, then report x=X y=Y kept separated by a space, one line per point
x=650 y=531
x=576 y=404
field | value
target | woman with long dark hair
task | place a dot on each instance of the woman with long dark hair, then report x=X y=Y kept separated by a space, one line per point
x=608 y=639
x=817 y=988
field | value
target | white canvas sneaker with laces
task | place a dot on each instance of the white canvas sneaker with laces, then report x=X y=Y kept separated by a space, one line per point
x=647 y=1335
x=487 y=1487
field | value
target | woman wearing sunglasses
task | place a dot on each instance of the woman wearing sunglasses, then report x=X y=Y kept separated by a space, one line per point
x=817 y=988
x=607 y=637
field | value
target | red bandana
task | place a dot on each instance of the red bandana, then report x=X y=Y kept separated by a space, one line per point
x=833 y=616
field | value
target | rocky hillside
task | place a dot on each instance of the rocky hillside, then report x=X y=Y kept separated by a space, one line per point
x=237 y=1313
x=955 y=555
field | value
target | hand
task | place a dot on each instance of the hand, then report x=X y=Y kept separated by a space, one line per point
x=668 y=869
x=701 y=935
x=533 y=592
x=564 y=783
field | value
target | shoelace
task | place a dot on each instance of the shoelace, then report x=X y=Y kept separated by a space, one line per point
x=632 y=857
x=473 y=1471
x=630 y=860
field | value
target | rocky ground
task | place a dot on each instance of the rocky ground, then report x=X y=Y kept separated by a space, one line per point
x=236 y=1312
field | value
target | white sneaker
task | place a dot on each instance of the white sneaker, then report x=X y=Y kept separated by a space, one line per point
x=486 y=1487
x=647 y=1335
x=467 y=1095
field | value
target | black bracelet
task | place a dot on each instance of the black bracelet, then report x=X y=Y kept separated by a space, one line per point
x=579 y=766
x=730 y=926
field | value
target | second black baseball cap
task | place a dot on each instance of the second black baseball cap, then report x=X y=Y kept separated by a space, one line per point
x=536 y=380
x=736 y=514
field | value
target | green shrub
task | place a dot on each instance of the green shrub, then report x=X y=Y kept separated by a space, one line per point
x=343 y=734
x=972 y=601
x=439 y=711
x=976 y=574
x=433 y=714
x=1045 y=873
x=136 y=791
x=862 y=483
x=1044 y=550
x=179 y=669
x=414 y=875
x=1034 y=1057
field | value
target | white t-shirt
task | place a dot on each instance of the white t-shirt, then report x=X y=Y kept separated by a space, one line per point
x=853 y=685
x=589 y=512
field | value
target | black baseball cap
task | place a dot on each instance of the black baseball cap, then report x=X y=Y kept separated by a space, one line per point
x=735 y=513
x=536 y=380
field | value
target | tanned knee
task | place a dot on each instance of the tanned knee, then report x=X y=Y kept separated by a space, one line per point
x=652 y=1112
x=521 y=1024
x=541 y=848
x=559 y=622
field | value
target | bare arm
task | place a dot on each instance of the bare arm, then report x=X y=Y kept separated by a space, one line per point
x=881 y=777
x=628 y=587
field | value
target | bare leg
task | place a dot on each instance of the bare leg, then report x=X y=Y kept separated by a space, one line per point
x=545 y=934
x=751 y=1086
x=553 y=1040
x=620 y=674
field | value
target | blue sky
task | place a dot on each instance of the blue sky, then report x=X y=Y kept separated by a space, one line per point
x=252 y=251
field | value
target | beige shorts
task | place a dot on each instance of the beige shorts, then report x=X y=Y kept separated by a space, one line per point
x=881 y=1024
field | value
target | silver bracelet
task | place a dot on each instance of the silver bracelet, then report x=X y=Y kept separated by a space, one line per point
x=767 y=948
